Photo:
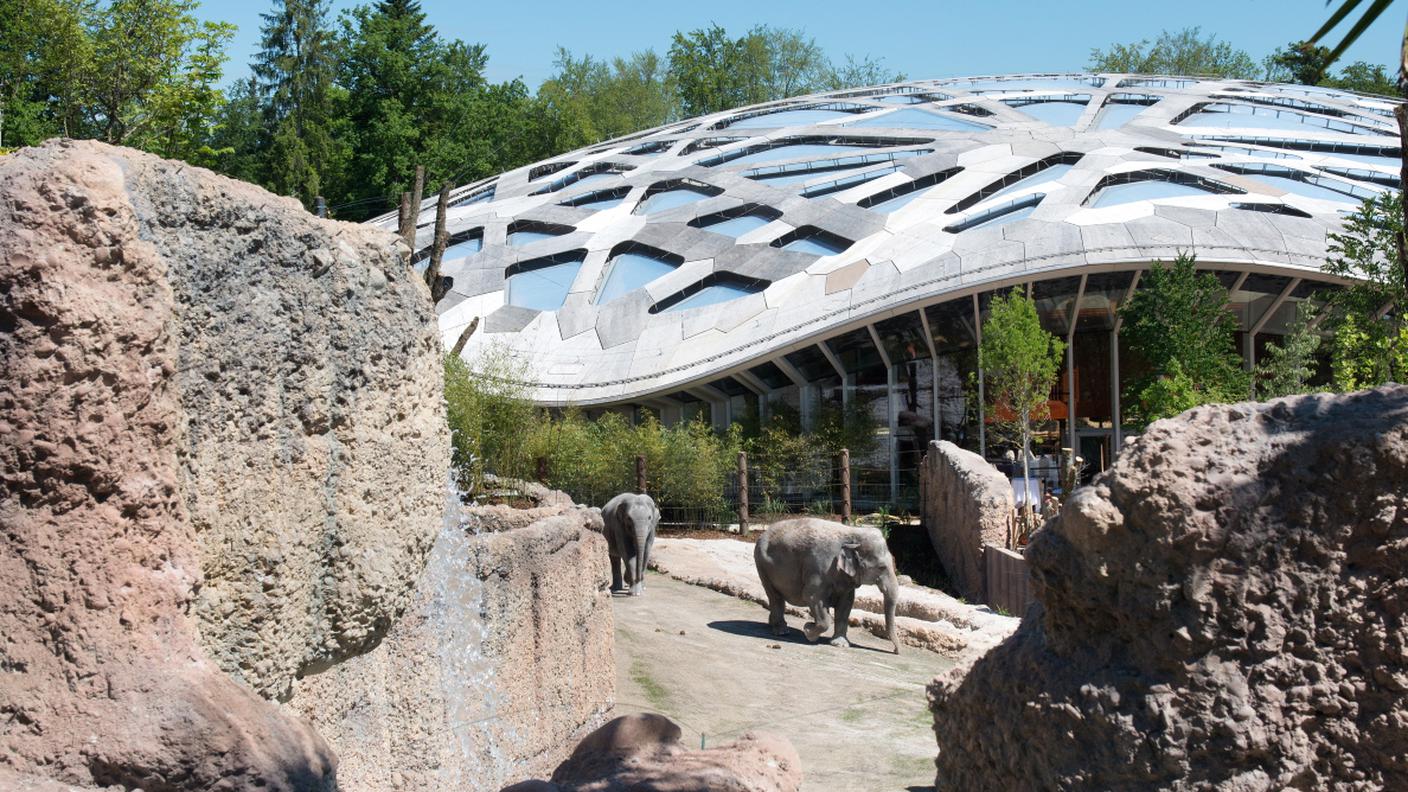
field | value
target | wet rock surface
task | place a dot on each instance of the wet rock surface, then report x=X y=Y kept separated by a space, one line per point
x=1223 y=609
x=643 y=753
x=222 y=456
x=502 y=662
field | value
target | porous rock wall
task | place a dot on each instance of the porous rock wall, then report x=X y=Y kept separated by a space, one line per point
x=1222 y=609
x=965 y=503
x=222 y=446
x=503 y=661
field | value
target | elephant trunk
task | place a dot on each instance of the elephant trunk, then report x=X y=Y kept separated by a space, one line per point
x=890 y=588
x=642 y=531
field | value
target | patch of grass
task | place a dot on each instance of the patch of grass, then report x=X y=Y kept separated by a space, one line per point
x=852 y=715
x=655 y=692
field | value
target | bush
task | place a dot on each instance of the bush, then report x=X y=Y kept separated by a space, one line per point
x=487 y=411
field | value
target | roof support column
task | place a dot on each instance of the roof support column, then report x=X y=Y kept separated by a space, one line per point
x=1071 y=369
x=805 y=390
x=982 y=400
x=891 y=414
x=1116 y=416
x=933 y=377
x=1249 y=355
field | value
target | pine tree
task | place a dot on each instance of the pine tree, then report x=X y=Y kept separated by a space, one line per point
x=295 y=71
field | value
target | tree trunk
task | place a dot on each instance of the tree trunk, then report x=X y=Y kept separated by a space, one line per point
x=1400 y=112
x=1026 y=468
x=437 y=248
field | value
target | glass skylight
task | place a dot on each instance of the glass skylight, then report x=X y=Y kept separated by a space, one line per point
x=1115 y=116
x=1031 y=84
x=784 y=118
x=711 y=295
x=738 y=226
x=1149 y=190
x=669 y=199
x=1003 y=218
x=796 y=151
x=521 y=238
x=899 y=202
x=1306 y=189
x=543 y=289
x=630 y=271
x=917 y=119
x=1242 y=117
x=463 y=249
x=814 y=245
x=1054 y=113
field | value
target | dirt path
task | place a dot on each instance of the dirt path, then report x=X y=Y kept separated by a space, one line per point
x=857 y=716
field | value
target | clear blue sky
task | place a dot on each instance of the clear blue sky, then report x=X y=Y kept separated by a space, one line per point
x=922 y=39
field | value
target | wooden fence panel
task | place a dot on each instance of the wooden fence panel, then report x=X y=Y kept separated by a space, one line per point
x=1009 y=582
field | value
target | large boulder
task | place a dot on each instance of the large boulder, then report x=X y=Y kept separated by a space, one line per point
x=503 y=661
x=1222 y=609
x=966 y=503
x=222 y=446
x=643 y=753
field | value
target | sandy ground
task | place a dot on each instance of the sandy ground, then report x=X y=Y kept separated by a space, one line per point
x=927 y=618
x=858 y=716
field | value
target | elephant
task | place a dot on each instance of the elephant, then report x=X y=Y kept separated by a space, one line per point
x=819 y=564
x=630 y=521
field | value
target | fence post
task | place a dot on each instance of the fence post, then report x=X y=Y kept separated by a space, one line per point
x=320 y=206
x=845 y=485
x=542 y=470
x=640 y=473
x=743 y=492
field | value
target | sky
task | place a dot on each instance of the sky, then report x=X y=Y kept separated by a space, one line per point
x=939 y=38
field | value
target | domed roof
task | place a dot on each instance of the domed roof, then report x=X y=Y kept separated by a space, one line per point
x=671 y=256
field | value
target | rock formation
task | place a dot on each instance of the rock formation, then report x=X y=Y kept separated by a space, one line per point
x=502 y=662
x=222 y=446
x=966 y=503
x=643 y=753
x=1223 y=609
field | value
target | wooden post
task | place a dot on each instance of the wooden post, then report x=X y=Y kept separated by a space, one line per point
x=743 y=492
x=417 y=195
x=845 y=485
x=437 y=249
x=640 y=473
x=464 y=337
x=406 y=222
x=542 y=470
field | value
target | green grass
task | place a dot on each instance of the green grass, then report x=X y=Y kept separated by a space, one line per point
x=853 y=715
x=655 y=692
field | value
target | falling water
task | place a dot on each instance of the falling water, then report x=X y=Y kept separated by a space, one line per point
x=455 y=617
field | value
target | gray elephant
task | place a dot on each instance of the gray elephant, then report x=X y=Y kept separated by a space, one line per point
x=630 y=521
x=819 y=564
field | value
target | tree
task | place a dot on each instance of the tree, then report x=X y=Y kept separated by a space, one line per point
x=713 y=72
x=295 y=71
x=596 y=100
x=1182 y=52
x=44 y=54
x=1368 y=315
x=1178 y=322
x=1300 y=62
x=1020 y=360
x=1288 y=366
x=1369 y=78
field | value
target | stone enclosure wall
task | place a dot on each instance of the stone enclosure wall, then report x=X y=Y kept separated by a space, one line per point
x=965 y=503
x=1222 y=609
x=503 y=661
x=228 y=558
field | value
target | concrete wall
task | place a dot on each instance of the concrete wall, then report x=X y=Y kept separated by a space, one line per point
x=965 y=503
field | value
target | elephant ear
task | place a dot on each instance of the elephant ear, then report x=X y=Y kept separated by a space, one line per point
x=848 y=560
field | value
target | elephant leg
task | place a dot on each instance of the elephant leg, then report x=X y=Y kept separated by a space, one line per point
x=630 y=562
x=616 y=574
x=843 y=618
x=821 y=617
x=644 y=562
x=777 y=608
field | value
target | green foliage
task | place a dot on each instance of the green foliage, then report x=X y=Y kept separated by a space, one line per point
x=1019 y=359
x=1178 y=322
x=490 y=419
x=712 y=71
x=1288 y=367
x=1186 y=51
x=1308 y=64
x=1367 y=316
x=595 y=99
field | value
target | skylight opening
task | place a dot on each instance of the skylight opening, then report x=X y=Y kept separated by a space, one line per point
x=633 y=265
x=473 y=196
x=1299 y=182
x=846 y=182
x=1009 y=212
x=810 y=239
x=738 y=220
x=1027 y=84
x=715 y=288
x=526 y=232
x=543 y=284
x=806 y=146
x=1152 y=185
x=459 y=246
x=917 y=119
x=1055 y=111
x=1019 y=179
x=601 y=199
x=1225 y=115
x=901 y=195
x=675 y=193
